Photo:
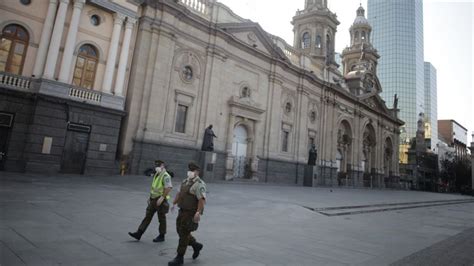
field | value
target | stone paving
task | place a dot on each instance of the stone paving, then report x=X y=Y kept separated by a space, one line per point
x=84 y=220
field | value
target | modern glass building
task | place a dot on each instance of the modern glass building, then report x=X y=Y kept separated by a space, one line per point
x=431 y=106
x=397 y=34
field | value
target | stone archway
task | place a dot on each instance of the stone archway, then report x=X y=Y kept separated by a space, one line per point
x=344 y=153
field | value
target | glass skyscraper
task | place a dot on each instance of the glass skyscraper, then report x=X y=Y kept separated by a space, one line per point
x=398 y=36
x=431 y=106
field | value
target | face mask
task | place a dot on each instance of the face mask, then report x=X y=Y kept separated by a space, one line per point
x=158 y=169
x=190 y=174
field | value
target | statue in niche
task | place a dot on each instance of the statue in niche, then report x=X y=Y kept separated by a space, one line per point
x=313 y=155
x=208 y=141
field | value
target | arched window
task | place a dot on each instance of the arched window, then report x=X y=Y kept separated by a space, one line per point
x=86 y=65
x=13 y=45
x=363 y=36
x=318 y=41
x=306 y=40
x=356 y=36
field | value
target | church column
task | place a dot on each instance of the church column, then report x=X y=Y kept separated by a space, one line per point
x=230 y=141
x=53 y=51
x=66 y=62
x=45 y=39
x=112 y=56
x=119 y=83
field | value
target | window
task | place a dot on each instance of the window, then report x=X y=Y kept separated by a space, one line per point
x=86 y=65
x=284 y=146
x=25 y=2
x=13 y=45
x=356 y=36
x=363 y=36
x=318 y=41
x=306 y=40
x=181 y=114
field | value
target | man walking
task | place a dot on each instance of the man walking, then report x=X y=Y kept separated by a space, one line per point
x=158 y=202
x=190 y=199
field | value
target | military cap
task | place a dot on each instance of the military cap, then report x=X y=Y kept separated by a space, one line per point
x=192 y=166
x=159 y=162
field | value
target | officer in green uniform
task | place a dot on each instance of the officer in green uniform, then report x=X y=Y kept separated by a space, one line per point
x=190 y=199
x=158 y=202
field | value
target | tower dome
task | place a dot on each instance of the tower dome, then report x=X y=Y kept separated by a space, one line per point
x=360 y=18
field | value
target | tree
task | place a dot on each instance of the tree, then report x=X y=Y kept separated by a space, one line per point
x=456 y=173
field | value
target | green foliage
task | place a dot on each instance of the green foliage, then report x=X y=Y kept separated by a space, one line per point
x=456 y=173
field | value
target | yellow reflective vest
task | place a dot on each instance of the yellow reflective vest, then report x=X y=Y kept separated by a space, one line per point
x=158 y=186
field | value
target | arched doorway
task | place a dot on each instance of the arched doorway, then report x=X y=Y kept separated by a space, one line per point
x=13 y=45
x=239 y=150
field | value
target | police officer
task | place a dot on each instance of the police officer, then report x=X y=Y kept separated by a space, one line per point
x=158 y=202
x=190 y=199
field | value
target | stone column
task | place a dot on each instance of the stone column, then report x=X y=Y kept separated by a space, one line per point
x=53 y=51
x=119 y=82
x=229 y=166
x=112 y=56
x=45 y=38
x=66 y=62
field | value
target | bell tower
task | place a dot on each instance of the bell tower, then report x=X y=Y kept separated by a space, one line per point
x=314 y=30
x=361 y=54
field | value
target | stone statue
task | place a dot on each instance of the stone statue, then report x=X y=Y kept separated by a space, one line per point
x=208 y=141
x=395 y=102
x=313 y=155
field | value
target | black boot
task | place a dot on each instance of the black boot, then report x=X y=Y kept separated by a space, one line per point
x=197 y=248
x=159 y=238
x=137 y=235
x=176 y=261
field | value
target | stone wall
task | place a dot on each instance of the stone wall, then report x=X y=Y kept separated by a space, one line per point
x=276 y=171
x=40 y=116
x=176 y=158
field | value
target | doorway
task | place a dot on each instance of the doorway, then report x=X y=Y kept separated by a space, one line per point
x=75 y=149
x=239 y=151
x=6 y=123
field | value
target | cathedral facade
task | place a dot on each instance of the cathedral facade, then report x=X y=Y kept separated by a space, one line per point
x=196 y=63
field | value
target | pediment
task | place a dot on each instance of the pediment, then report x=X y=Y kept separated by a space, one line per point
x=252 y=35
x=376 y=103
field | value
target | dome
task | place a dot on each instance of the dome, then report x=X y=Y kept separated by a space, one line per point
x=360 y=19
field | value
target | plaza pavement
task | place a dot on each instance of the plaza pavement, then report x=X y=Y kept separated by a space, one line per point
x=84 y=220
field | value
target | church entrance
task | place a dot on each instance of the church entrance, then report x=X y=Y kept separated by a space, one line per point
x=239 y=151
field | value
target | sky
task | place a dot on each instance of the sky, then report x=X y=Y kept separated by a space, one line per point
x=448 y=43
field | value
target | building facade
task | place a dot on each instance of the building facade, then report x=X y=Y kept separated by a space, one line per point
x=196 y=63
x=398 y=37
x=455 y=135
x=61 y=91
x=431 y=107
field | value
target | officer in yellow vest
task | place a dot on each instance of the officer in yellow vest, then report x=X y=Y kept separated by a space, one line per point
x=190 y=199
x=158 y=202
